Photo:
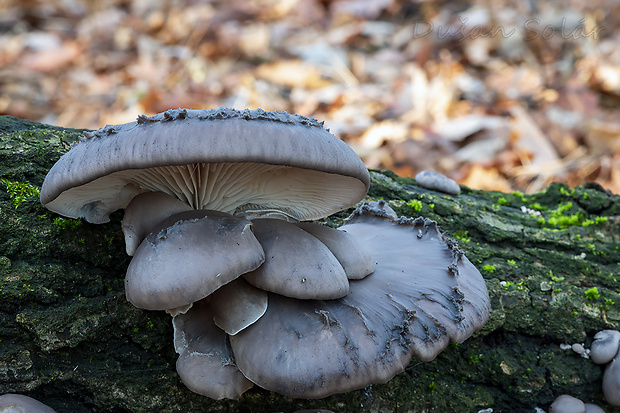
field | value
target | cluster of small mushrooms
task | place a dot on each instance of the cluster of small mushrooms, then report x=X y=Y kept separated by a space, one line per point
x=605 y=349
x=219 y=210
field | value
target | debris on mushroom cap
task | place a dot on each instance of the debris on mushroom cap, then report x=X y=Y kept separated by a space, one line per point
x=423 y=293
x=438 y=182
x=206 y=363
x=296 y=264
x=144 y=212
x=381 y=208
x=237 y=305
x=188 y=256
x=567 y=404
x=354 y=258
x=611 y=381
x=18 y=403
x=605 y=346
x=220 y=159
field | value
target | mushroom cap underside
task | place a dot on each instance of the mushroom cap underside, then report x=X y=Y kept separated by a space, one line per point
x=270 y=158
x=423 y=294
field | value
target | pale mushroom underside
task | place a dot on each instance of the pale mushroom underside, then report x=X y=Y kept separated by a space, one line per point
x=227 y=187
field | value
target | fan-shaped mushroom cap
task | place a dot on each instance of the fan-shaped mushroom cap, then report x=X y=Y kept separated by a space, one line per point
x=437 y=182
x=354 y=258
x=237 y=305
x=18 y=403
x=593 y=408
x=423 y=293
x=605 y=346
x=567 y=404
x=296 y=263
x=611 y=381
x=188 y=256
x=220 y=159
x=206 y=363
x=144 y=212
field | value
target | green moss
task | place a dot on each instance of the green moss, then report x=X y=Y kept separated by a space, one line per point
x=415 y=204
x=502 y=201
x=19 y=191
x=519 y=195
x=592 y=294
x=537 y=207
x=66 y=223
x=461 y=235
x=489 y=268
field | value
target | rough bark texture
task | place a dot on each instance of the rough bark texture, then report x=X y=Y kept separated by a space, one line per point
x=70 y=339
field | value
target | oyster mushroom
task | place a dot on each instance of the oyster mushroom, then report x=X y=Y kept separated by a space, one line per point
x=237 y=305
x=605 y=346
x=206 y=364
x=188 y=256
x=220 y=159
x=611 y=381
x=437 y=182
x=144 y=212
x=296 y=264
x=18 y=403
x=423 y=293
x=355 y=259
x=567 y=404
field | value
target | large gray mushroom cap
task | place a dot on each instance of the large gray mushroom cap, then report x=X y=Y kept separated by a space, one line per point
x=422 y=294
x=18 y=403
x=219 y=159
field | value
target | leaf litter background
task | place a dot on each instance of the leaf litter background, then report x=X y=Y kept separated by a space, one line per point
x=506 y=95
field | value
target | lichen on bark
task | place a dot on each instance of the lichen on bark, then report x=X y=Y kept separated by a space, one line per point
x=70 y=339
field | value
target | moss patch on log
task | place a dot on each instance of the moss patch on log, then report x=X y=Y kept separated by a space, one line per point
x=69 y=338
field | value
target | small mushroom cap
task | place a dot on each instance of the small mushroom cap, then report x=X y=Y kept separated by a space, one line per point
x=611 y=382
x=567 y=404
x=18 y=403
x=354 y=258
x=422 y=294
x=220 y=159
x=188 y=256
x=144 y=212
x=605 y=346
x=206 y=363
x=593 y=408
x=237 y=305
x=437 y=182
x=296 y=263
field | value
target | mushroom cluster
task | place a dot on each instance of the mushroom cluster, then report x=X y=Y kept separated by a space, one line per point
x=605 y=349
x=219 y=207
x=569 y=404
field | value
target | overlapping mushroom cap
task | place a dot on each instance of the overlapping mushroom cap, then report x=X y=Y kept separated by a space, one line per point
x=422 y=294
x=220 y=159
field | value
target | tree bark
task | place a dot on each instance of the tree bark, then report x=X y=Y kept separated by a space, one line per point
x=70 y=339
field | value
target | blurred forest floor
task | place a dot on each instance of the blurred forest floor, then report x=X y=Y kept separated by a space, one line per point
x=507 y=95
